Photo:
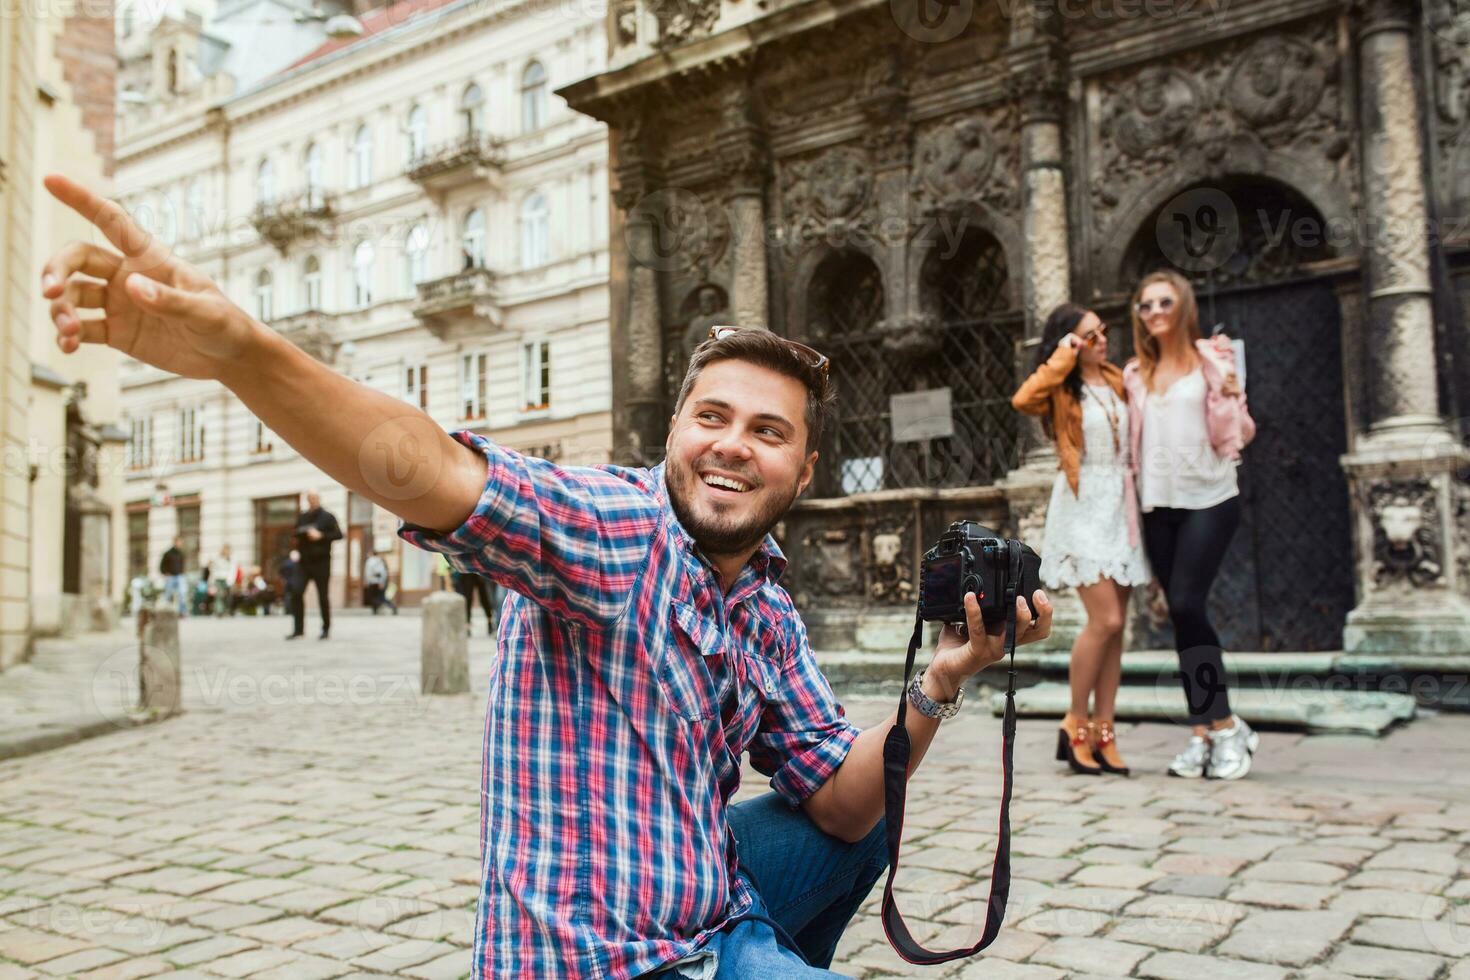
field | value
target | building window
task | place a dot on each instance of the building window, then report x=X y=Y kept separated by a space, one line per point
x=472 y=110
x=191 y=434
x=533 y=97
x=535 y=375
x=264 y=296
x=140 y=443
x=261 y=439
x=416 y=385
x=312 y=165
x=416 y=134
x=362 y=274
x=360 y=173
x=173 y=71
x=138 y=539
x=194 y=201
x=473 y=240
x=311 y=284
x=415 y=258
x=472 y=385
x=188 y=529
x=535 y=239
x=265 y=184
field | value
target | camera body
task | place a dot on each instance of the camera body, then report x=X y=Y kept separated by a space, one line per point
x=969 y=557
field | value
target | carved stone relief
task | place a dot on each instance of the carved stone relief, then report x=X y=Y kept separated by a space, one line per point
x=962 y=160
x=825 y=194
x=833 y=565
x=681 y=20
x=1449 y=39
x=1215 y=109
x=1406 y=534
x=890 y=579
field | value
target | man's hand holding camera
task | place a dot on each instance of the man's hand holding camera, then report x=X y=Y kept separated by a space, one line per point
x=964 y=651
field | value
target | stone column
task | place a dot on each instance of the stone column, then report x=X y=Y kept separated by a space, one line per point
x=741 y=147
x=159 y=663
x=640 y=411
x=1038 y=82
x=444 y=659
x=1407 y=470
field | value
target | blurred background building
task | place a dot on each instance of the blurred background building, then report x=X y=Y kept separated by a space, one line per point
x=398 y=191
x=60 y=549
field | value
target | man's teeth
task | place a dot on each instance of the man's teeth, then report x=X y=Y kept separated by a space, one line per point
x=726 y=483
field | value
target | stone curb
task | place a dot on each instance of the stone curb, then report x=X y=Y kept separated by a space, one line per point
x=16 y=743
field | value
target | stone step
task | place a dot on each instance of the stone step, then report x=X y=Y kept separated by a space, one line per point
x=1316 y=711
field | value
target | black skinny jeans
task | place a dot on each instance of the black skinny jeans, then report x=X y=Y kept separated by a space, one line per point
x=1185 y=548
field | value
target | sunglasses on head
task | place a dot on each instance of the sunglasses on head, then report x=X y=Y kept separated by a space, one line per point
x=813 y=359
x=1145 y=307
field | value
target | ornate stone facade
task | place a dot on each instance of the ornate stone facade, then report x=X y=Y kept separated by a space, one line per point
x=924 y=201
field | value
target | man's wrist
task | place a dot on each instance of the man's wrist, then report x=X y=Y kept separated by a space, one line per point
x=939 y=685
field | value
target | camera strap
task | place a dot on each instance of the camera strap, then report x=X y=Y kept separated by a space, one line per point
x=896 y=752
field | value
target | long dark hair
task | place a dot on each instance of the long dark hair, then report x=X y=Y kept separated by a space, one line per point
x=1062 y=321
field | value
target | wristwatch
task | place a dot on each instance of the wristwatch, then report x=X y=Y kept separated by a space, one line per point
x=927 y=706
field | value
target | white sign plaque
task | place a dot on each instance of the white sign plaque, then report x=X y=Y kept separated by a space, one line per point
x=920 y=415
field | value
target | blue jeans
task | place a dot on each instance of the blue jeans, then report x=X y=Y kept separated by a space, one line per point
x=807 y=883
x=178 y=587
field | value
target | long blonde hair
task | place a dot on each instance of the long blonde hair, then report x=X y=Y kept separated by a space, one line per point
x=1186 y=318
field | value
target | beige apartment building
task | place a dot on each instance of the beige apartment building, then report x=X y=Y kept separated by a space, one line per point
x=61 y=472
x=407 y=200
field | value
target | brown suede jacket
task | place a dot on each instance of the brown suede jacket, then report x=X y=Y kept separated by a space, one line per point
x=1043 y=394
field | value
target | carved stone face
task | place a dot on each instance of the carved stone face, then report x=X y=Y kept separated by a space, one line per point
x=886 y=548
x=1400 y=520
x=709 y=301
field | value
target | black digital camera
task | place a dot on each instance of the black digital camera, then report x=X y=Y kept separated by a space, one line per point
x=970 y=557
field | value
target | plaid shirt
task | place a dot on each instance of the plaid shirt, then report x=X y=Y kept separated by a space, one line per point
x=625 y=689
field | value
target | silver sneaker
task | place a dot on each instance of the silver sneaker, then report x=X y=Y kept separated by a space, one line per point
x=1231 y=750
x=1191 y=763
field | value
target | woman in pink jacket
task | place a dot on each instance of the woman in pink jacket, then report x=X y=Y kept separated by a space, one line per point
x=1188 y=423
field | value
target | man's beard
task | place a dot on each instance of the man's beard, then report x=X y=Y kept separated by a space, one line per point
x=719 y=536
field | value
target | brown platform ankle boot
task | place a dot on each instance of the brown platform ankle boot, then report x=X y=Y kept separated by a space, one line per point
x=1074 y=747
x=1105 y=748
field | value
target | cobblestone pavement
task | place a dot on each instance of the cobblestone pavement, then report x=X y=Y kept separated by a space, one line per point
x=312 y=816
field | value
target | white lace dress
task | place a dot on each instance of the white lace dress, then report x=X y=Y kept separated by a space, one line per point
x=1087 y=534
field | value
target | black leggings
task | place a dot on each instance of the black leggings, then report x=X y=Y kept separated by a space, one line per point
x=1185 y=548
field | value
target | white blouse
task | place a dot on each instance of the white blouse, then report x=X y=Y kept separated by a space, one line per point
x=1179 y=466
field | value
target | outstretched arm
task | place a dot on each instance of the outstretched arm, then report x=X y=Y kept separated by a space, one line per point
x=151 y=305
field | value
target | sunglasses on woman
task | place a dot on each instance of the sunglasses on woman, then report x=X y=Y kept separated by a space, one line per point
x=1145 y=307
x=813 y=359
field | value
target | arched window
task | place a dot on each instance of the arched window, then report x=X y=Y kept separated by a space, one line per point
x=533 y=97
x=415 y=258
x=472 y=110
x=473 y=240
x=264 y=296
x=265 y=183
x=311 y=164
x=311 y=283
x=362 y=274
x=417 y=133
x=535 y=237
x=360 y=172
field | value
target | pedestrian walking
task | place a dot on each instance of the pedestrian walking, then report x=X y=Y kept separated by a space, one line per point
x=375 y=584
x=223 y=573
x=1092 y=539
x=293 y=577
x=316 y=529
x=1188 y=423
x=471 y=586
x=175 y=585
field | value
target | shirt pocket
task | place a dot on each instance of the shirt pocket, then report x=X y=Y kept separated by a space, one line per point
x=679 y=667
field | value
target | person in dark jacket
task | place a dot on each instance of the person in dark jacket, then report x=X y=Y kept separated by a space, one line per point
x=171 y=567
x=316 y=529
x=294 y=579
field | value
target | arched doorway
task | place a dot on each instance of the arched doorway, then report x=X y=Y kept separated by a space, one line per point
x=1287 y=582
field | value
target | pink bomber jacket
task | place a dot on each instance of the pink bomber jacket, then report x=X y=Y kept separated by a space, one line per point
x=1227 y=417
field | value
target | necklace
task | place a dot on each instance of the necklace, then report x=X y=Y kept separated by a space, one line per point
x=1112 y=415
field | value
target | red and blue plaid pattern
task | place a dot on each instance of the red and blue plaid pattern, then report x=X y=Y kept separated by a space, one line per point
x=625 y=688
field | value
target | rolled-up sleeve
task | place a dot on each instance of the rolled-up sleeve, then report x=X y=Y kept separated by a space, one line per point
x=804 y=735
x=572 y=539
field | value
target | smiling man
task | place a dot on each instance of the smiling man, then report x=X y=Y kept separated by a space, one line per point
x=647 y=646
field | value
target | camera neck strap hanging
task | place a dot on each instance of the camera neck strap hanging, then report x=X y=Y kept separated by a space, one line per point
x=896 y=754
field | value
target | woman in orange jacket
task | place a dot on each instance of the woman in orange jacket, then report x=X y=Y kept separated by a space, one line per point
x=1092 y=541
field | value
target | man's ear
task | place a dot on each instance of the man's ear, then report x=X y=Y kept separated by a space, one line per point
x=808 y=470
x=669 y=439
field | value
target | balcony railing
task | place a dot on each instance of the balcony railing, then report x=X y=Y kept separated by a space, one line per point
x=470 y=159
x=287 y=219
x=313 y=331
x=464 y=302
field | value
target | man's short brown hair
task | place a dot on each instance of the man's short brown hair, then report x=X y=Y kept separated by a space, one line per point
x=760 y=347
